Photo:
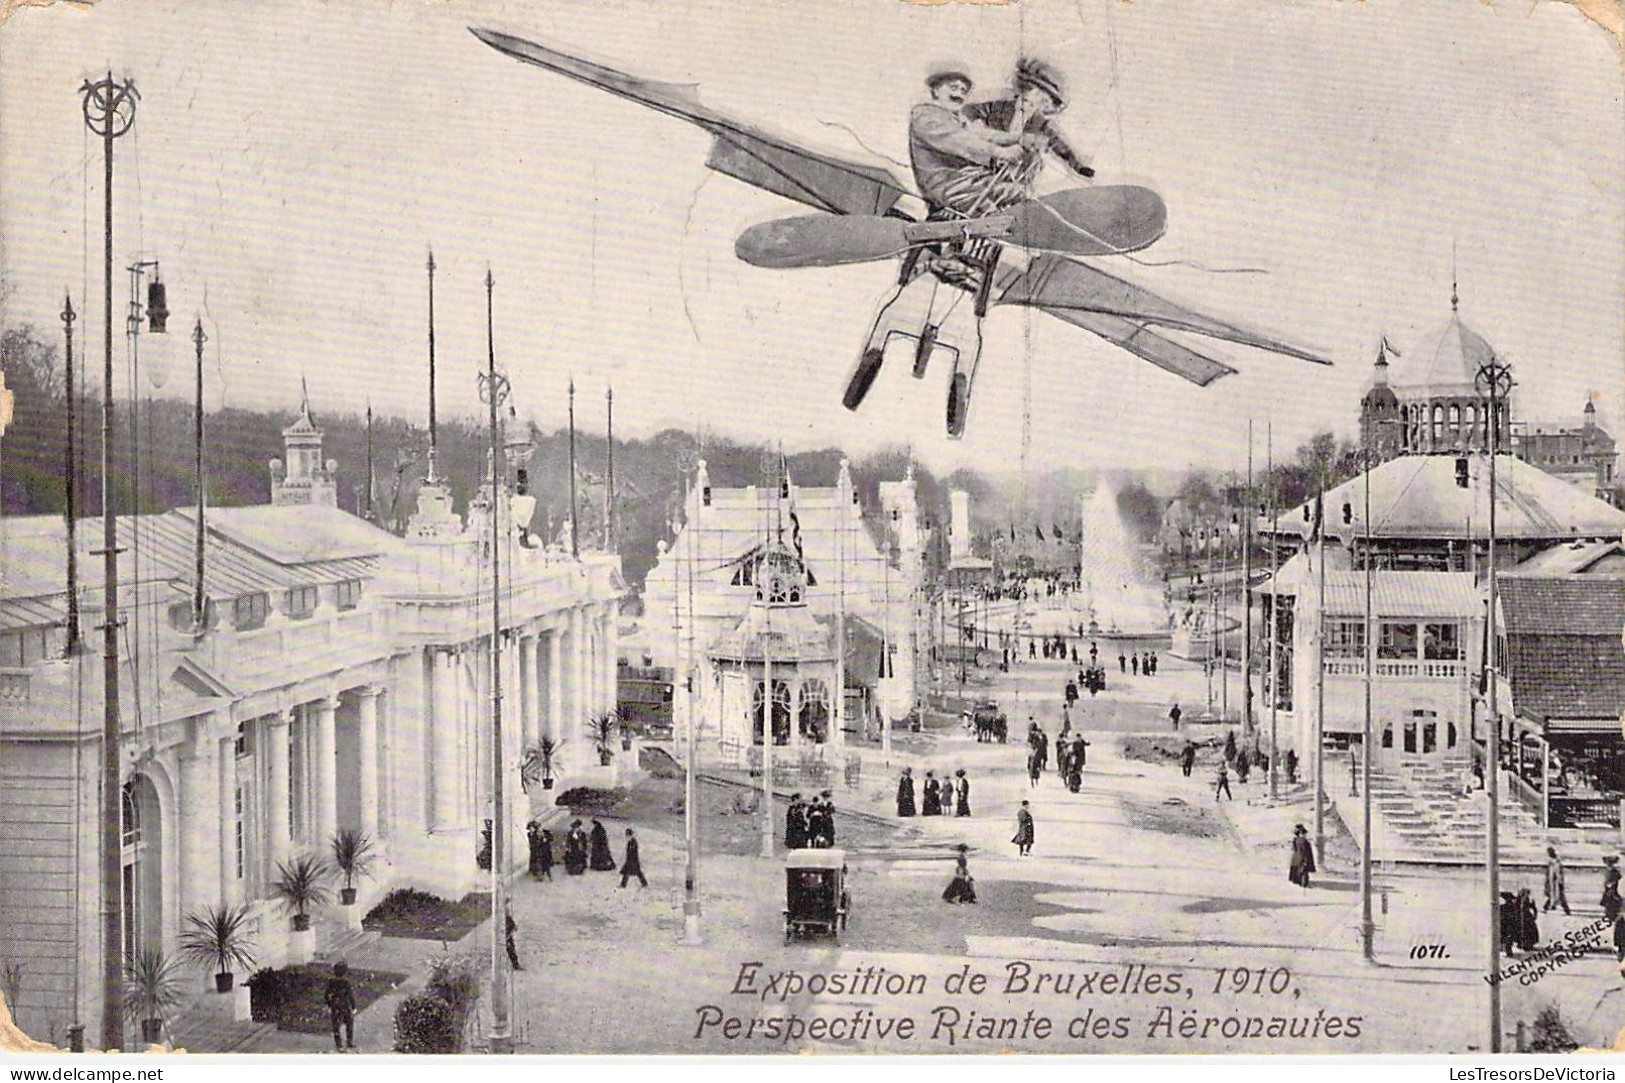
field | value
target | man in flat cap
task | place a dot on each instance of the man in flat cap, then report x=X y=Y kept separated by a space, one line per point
x=947 y=156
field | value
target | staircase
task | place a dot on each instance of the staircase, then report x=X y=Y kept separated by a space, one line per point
x=1423 y=817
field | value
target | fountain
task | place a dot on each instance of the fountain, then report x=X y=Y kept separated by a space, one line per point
x=1120 y=598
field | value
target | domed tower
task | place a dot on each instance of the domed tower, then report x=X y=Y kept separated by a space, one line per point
x=1379 y=412
x=1441 y=410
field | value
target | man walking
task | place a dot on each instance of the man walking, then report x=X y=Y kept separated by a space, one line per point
x=1122 y=662
x=1188 y=759
x=632 y=866
x=1024 y=831
x=340 y=998
x=1173 y=716
x=511 y=927
x=1222 y=784
x=1556 y=895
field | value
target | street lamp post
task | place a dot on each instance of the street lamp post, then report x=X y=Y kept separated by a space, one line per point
x=493 y=391
x=1367 y=927
x=109 y=108
x=1494 y=381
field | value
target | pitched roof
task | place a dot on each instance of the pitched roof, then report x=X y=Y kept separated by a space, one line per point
x=1416 y=496
x=1571 y=605
x=1404 y=594
x=1564 y=655
x=1590 y=558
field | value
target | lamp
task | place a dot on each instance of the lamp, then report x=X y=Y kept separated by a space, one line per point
x=157 y=304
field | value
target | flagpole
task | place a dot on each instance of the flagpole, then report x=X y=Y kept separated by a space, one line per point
x=1275 y=617
x=1320 y=668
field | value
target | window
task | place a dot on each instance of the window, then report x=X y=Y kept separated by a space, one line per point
x=239 y=827
x=1442 y=642
x=24 y=646
x=132 y=816
x=744 y=576
x=349 y=593
x=1345 y=639
x=1387 y=735
x=241 y=748
x=299 y=603
x=1397 y=641
x=248 y=612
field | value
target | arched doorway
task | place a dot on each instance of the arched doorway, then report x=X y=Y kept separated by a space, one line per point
x=142 y=861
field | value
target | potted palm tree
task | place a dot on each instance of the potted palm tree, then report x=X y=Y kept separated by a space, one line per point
x=153 y=985
x=544 y=756
x=602 y=729
x=218 y=938
x=302 y=884
x=353 y=857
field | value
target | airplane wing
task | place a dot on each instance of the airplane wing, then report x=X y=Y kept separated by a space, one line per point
x=1128 y=315
x=739 y=150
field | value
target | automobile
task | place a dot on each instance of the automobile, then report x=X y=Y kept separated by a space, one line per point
x=815 y=897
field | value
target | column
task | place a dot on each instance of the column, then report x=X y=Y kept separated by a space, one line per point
x=527 y=690
x=276 y=802
x=606 y=641
x=446 y=763
x=367 y=757
x=203 y=819
x=231 y=892
x=324 y=777
x=555 y=683
x=580 y=706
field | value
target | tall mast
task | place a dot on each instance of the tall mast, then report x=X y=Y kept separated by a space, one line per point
x=71 y=475
x=199 y=600
x=609 y=493
x=501 y=977
x=433 y=432
x=575 y=534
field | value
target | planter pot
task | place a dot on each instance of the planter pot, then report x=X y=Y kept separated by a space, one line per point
x=242 y=1004
x=626 y=744
x=301 y=946
x=547 y=784
x=347 y=896
x=222 y=982
x=604 y=756
x=301 y=923
x=152 y=1031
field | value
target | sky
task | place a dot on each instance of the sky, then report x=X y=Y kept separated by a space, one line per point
x=292 y=163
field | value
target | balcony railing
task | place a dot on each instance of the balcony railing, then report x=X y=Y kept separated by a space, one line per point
x=1388 y=667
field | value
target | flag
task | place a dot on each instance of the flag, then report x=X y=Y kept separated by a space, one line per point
x=1387 y=349
x=1039 y=531
x=795 y=534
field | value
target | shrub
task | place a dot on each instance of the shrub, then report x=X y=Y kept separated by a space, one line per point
x=587 y=797
x=1550 y=1034
x=409 y=906
x=455 y=979
x=269 y=991
x=426 y=1024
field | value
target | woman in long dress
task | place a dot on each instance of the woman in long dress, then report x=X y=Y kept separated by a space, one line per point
x=1024 y=831
x=575 y=850
x=961 y=889
x=602 y=859
x=933 y=796
x=962 y=794
x=1303 y=857
x=905 y=793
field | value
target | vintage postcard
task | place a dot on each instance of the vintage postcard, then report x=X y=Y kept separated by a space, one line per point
x=1057 y=526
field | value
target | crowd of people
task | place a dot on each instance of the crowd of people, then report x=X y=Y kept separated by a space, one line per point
x=810 y=825
x=948 y=797
x=583 y=850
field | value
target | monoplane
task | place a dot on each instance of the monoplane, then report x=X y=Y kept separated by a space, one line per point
x=864 y=215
